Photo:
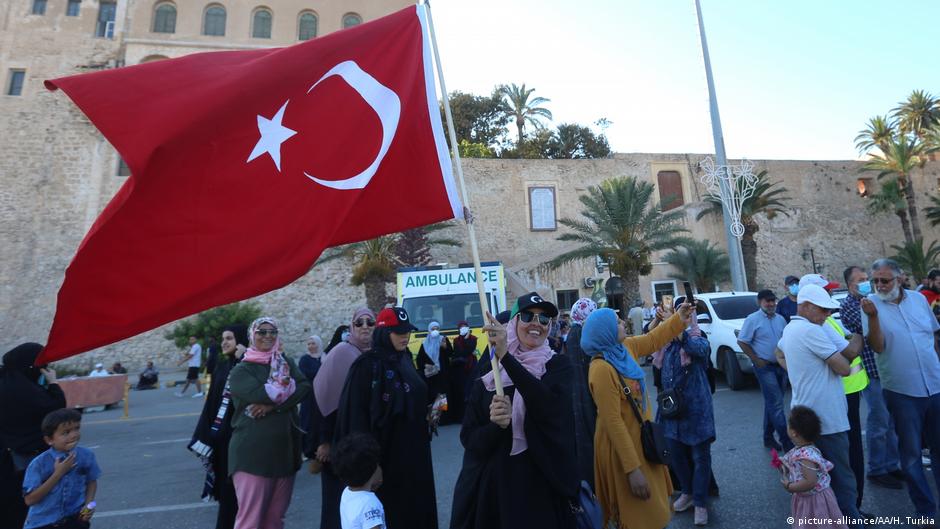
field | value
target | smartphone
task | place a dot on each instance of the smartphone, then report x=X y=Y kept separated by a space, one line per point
x=689 y=297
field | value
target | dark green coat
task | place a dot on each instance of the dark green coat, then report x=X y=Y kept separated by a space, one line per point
x=270 y=446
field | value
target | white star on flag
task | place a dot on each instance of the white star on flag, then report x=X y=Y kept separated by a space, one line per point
x=273 y=134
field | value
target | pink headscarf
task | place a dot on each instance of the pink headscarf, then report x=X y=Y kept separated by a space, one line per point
x=330 y=379
x=280 y=386
x=533 y=361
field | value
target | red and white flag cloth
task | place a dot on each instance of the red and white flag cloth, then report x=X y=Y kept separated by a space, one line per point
x=245 y=166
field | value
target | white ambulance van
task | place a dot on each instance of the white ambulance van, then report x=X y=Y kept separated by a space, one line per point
x=448 y=295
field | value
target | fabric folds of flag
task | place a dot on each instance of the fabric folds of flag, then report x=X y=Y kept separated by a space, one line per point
x=245 y=166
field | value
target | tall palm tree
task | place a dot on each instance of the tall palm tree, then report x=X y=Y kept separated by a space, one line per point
x=623 y=226
x=918 y=113
x=702 y=263
x=374 y=265
x=890 y=199
x=933 y=212
x=902 y=156
x=769 y=199
x=522 y=109
x=917 y=260
x=876 y=134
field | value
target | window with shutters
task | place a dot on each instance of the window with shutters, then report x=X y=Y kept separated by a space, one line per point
x=213 y=23
x=670 y=189
x=542 y=208
x=15 y=83
x=261 y=24
x=39 y=7
x=164 y=18
x=73 y=7
x=351 y=19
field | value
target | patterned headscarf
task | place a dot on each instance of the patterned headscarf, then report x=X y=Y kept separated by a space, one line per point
x=581 y=310
x=280 y=385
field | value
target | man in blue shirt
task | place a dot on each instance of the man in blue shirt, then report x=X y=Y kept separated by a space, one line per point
x=786 y=307
x=905 y=339
x=758 y=339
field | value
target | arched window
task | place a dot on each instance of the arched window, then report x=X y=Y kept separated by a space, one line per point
x=164 y=18
x=307 y=26
x=670 y=189
x=261 y=24
x=213 y=22
x=351 y=19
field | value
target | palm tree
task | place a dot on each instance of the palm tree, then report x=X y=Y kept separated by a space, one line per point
x=876 y=134
x=902 y=156
x=933 y=212
x=623 y=226
x=916 y=260
x=890 y=199
x=918 y=113
x=702 y=263
x=768 y=199
x=523 y=110
x=374 y=265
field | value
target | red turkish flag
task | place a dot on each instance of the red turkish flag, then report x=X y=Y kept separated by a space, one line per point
x=245 y=166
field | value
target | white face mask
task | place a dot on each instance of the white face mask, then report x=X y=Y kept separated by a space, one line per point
x=344 y=335
x=464 y=331
x=435 y=333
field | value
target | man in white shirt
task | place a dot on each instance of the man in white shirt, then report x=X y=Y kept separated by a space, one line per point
x=193 y=359
x=99 y=371
x=815 y=368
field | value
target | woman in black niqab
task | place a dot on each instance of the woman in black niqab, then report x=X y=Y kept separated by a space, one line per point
x=20 y=432
x=384 y=396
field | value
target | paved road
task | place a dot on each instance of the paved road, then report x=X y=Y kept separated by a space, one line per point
x=151 y=481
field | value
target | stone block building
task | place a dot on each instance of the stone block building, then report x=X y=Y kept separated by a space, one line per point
x=58 y=173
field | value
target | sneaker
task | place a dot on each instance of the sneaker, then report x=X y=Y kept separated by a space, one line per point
x=683 y=503
x=898 y=475
x=178 y=394
x=885 y=480
x=197 y=395
x=701 y=516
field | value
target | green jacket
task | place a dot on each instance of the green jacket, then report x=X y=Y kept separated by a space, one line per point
x=270 y=446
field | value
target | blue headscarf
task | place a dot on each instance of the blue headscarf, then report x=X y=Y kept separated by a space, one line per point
x=599 y=337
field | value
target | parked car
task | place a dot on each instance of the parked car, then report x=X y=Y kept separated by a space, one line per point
x=720 y=317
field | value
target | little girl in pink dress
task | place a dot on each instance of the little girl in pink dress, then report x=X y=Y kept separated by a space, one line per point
x=806 y=474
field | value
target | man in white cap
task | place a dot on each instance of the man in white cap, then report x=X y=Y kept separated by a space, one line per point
x=853 y=384
x=99 y=371
x=815 y=367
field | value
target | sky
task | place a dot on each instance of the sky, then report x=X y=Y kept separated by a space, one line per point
x=794 y=80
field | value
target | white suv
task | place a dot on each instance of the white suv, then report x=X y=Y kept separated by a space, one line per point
x=720 y=317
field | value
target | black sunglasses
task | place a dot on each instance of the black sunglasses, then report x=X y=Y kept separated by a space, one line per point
x=527 y=317
x=366 y=322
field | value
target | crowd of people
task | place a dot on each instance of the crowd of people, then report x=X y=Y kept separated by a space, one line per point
x=566 y=425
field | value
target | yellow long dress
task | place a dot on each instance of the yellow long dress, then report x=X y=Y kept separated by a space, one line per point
x=617 y=446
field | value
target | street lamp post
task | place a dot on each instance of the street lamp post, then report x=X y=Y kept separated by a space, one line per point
x=738 y=277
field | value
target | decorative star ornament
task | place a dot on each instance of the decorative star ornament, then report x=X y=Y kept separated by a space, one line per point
x=273 y=134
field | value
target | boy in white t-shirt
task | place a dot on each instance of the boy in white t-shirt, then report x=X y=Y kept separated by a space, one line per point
x=356 y=462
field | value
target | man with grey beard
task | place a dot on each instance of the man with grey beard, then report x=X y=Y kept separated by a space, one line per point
x=909 y=366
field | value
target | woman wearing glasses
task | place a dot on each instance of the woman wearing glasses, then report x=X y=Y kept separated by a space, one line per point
x=264 y=453
x=519 y=466
x=633 y=492
x=387 y=399
x=328 y=386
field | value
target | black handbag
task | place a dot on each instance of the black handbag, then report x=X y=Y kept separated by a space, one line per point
x=671 y=402
x=652 y=436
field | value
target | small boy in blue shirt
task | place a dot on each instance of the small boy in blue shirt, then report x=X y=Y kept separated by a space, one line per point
x=60 y=483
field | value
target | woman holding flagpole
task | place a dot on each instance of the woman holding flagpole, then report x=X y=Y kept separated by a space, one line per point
x=265 y=450
x=519 y=468
x=633 y=492
x=328 y=387
x=385 y=397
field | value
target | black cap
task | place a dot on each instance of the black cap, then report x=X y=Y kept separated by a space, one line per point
x=789 y=280
x=533 y=300
x=766 y=294
x=396 y=320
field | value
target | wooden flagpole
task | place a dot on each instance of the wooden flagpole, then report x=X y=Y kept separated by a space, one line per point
x=468 y=215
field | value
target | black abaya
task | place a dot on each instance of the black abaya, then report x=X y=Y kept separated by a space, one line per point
x=532 y=489
x=385 y=397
